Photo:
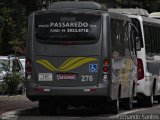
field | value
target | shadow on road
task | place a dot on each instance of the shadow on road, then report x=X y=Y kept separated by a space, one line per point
x=81 y=113
x=74 y=112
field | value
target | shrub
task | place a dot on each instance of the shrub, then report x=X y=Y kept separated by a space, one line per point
x=13 y=82
x=3 y=88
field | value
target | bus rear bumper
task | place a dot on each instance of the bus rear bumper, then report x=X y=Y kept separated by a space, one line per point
x=35 y=92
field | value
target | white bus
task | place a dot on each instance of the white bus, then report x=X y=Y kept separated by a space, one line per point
x=148 y=84
x=155 y=15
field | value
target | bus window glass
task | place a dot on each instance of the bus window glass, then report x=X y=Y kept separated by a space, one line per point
x=119 y=36
x=151 y=40
x=137 y=24
x=59 y=28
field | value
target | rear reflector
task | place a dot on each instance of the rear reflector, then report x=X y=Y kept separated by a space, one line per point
x=29 y=69
x=106 y=62
x=90 y=90
x=105 y=66
x=105 y=69
x=28 y=66
x=39 y=89
x=93 y=90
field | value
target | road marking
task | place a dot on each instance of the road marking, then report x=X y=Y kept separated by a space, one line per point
x=9 y=115
x=132 y=111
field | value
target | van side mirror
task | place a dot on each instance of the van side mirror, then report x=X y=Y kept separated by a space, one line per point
x=138 y=43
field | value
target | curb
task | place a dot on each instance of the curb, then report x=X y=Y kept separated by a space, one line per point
x=8 y=96
x=9 y=115
x=12 y=115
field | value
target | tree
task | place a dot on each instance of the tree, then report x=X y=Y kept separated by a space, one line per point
x=2 y=22
x=14 y=13
x=15 y=23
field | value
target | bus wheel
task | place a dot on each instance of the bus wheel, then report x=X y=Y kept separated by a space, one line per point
x=47 y=107
x=140 y=102
x=63 y=107
x=159 y=101
x=128 y=103
x=43 y=107
x=104 y=107
x=149 y=101
x=115 y=106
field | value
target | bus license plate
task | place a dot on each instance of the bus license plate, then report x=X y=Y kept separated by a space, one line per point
x=66 y=76
x=45 y=77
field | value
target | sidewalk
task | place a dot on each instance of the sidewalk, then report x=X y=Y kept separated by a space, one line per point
x=9 y=103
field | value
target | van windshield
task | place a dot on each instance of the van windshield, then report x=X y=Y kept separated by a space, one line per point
x=75 y=28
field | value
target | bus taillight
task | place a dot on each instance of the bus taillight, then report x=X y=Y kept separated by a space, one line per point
x=106 y=62
x=28 y=66
x=140 y=69
x=105 y=69
x=105 y=66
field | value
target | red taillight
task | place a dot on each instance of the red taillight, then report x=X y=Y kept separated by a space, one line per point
x=28 y=62
x=28 y=66
x=39 y=89
x=29 y=69
x=105 y=69
x=106 y=62
x=105 y=66
x=140 y=69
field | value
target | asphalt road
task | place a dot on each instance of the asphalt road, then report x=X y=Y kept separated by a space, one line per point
x=137 y=113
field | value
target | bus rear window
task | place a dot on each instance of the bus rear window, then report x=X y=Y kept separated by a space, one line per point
x=61 y=28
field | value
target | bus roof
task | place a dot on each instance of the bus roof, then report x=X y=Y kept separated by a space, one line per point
x=132 y=11
x=152 y=21
x=77 y=5
x=119 y=16
x=155 y=15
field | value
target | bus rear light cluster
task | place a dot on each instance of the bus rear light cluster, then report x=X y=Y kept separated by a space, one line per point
x=140 y=69
x=28 y=66
x=105 y=69
x=39 y=89
x=105 y=66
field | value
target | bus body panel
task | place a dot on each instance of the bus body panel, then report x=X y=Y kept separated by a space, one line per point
x=58 y=56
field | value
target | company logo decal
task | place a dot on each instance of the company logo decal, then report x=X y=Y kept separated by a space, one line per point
x=69 y=64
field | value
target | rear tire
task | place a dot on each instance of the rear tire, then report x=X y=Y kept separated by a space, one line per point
x=140 y=102
x=149 y=101
x=115 y=106
x=128 y=103
x=63 y=107
x=47 y=107
x=43 y=107
x=104 y=107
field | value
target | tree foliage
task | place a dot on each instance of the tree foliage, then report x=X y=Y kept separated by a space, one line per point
x=14 y=13
x=14 y=24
